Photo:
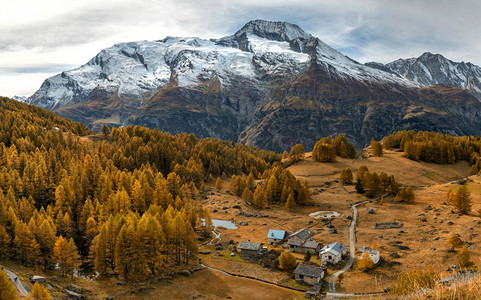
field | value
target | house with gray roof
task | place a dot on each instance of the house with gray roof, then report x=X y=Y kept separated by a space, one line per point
x=301 y=242
x=249 y=250
x=276 y=236
x=302 y=246
x=304 y=234
x=373 y=254
x=309 y=274
x=332 y=253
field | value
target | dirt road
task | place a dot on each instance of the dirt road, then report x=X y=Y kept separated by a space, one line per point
x=17 y=282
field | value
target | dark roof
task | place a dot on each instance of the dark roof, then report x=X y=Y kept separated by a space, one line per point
x=311 y=244
x=304 y=234
x=249 y=246
x=309 y=270
x=295 y=241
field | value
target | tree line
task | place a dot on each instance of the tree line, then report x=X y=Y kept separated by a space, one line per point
x=276 y=185
x=437 y=147
x=326 y=149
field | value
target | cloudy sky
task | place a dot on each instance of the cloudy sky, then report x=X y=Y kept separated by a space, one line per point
x=39 y=39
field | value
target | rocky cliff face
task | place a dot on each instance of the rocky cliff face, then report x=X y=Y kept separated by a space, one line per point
x=270 y=85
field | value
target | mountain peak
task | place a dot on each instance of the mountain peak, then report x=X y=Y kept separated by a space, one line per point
x=278 y=31
x=429 y=55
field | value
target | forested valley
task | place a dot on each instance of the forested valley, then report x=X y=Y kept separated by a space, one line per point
x=122 y=202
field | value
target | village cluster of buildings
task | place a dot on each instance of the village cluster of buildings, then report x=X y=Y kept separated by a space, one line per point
x=301 y=242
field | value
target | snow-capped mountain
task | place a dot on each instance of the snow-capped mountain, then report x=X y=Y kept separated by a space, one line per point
x=20 y=98
x=270 y=84
x=432 y=69
x=259 y=49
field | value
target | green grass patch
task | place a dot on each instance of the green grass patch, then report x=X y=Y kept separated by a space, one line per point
x=292 y=282
x=473 y=187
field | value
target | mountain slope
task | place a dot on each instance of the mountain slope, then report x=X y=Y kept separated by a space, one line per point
x=20 y=117
x=270 y=85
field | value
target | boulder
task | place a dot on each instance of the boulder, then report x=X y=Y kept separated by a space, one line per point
x=333 y=230
x=73 y=295
x=39 y=279
x=185 y=272
x=75 y=288
x=401 y=247
x=370 y=210
x=428 y=207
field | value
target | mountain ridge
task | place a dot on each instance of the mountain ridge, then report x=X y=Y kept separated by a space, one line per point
x=238 y=87
x=432 y=69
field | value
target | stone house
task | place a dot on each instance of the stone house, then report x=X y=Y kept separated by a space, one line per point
x=309 y=274
x=332 y=253
x=276 y=236
x=299 y=245
x=304 y=234
x=249 y=250
x=373 y=254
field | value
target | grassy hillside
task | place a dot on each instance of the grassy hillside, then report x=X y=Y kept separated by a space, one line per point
x=424 y=231
x=406 y=171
